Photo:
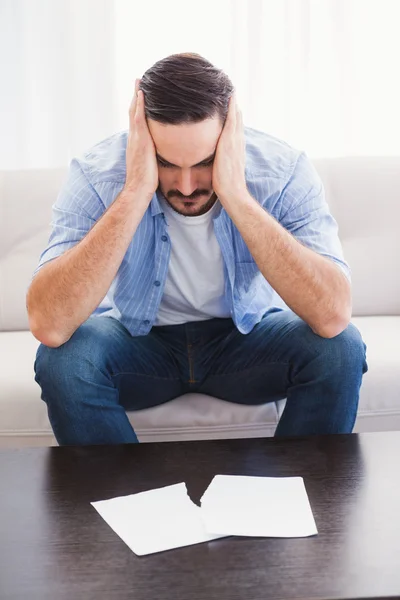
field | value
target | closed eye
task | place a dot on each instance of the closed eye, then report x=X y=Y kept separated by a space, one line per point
x=166 y=165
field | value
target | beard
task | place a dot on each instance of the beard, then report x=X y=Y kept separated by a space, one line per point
x=189 y=209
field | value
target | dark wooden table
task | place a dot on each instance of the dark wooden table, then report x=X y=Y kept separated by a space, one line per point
x=54 y=545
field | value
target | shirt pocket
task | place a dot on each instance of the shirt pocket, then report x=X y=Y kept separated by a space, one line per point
x=247 y=279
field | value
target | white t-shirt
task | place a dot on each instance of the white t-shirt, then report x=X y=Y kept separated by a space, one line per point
x=195 y=285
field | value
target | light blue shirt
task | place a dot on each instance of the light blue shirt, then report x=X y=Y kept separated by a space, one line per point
x=278 y=177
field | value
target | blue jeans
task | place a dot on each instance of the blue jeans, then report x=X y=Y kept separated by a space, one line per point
x=102 y=371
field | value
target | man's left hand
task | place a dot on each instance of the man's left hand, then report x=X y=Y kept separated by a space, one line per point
x=228 y=178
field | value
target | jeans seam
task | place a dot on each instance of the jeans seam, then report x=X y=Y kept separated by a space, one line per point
x=191 y=365
x=145 y=375
x=112 y=375
x=250 y=369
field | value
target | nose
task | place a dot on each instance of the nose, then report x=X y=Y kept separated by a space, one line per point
x=186 y=183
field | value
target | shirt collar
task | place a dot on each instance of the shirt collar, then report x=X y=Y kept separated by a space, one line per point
x=155 y=206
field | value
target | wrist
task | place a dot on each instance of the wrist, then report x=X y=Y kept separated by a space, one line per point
x=131 y=205
x=236 y=197
x=136 y=194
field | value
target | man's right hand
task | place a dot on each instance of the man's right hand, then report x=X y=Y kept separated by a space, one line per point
x=141 y=162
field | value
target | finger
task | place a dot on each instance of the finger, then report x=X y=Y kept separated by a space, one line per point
x=239 y=119
x=140 y=116
x=237 y=110
x=134 y=98
x=230 y=123
x=240 y=129
x=133 y=106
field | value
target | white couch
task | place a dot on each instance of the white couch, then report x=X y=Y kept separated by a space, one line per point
x=364 y=196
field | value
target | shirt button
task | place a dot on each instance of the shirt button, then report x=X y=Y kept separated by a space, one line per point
x=146 y=322
x=157 y=283
x=164 y=238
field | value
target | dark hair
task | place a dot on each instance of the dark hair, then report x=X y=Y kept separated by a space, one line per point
x=185 y=88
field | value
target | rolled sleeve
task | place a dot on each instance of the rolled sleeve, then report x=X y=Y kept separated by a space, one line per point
x=306 y=215
x=74 y=213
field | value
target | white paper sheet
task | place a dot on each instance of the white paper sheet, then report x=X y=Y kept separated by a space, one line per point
x=258 y=506
x=155 y=520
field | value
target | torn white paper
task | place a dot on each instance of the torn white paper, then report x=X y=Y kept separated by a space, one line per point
x=155 y=520
x=257 y=506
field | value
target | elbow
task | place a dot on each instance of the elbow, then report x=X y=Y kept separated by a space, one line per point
x=335 y=325
x=49 y=340
x=38 y=326
x=43 y=333
x=45 y=336
x=332 y=330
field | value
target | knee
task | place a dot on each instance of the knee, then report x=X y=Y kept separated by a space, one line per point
x=59 y=365
x=346 y=351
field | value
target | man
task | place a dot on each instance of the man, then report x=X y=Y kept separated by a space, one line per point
x=191 y=254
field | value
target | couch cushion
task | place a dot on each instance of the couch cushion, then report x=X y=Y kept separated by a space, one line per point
x=23 y=416
x=26 y=198
x=380 y=393
x=363 y=194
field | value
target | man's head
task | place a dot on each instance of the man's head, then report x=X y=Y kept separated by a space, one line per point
x=186 y=103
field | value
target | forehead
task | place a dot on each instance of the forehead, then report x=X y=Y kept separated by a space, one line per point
x=186 y=144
